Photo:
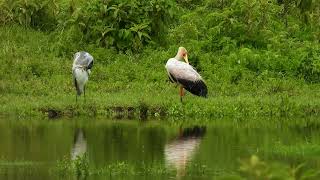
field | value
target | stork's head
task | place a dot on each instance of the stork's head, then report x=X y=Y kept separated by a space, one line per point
x=182 y=54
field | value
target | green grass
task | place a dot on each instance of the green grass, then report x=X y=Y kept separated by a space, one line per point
x=255 y=65
x=34 y=80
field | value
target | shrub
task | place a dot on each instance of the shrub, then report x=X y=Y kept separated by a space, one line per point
x=39 y=14
x=122 y=25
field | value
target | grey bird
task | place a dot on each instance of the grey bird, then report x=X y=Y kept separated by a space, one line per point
x=81 y=69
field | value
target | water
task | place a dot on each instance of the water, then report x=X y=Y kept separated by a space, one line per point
x=32 y=149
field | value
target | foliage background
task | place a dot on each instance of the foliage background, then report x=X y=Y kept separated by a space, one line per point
x=258 y=57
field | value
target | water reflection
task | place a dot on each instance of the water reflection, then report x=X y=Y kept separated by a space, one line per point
x=26 y=154
x=79 y=144
x=181 y=150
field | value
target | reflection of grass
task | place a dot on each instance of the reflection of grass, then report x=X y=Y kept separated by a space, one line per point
x=19 y=166
x=124 y=168
x=255 y=168
x=73 y=167
x=297 y=150
x=252 y=168
x=8 y=163
x=79 y=166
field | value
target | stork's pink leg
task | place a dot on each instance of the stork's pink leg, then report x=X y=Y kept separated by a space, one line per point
x=181 y=93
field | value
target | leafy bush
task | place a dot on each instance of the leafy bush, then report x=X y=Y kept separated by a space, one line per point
x=189 y=4
x=38 y=14
x=237 y=37
x=123 y=25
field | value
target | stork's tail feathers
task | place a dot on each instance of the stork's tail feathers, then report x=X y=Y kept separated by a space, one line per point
x=198 y=88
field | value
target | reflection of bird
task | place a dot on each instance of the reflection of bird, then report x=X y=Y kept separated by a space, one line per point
x=80 y=144
x=185 y=75
x=180 y=151
x=81 y=69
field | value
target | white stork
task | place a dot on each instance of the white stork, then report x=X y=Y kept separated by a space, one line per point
x=185 y=75
x=81 y=69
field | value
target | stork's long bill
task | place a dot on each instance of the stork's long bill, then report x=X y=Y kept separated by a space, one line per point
x=186 y=58
x=185 y=75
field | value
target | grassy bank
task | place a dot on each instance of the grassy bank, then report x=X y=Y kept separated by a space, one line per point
x=254 y=65
x=34 y=81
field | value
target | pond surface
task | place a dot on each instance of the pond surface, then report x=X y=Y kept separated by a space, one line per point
x=32 y=149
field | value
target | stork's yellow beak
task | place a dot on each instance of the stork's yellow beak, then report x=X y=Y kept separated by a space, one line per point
x=186 y=58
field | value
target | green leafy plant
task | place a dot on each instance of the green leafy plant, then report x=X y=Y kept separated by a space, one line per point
x=123 y=25
x=30 y=13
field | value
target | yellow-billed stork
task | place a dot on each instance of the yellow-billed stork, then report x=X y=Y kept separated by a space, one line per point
x=185 y=75
x=81 y=68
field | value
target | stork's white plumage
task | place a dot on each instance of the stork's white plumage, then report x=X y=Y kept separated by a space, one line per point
x=185 y=75
x=181 y=70
x=81 y=68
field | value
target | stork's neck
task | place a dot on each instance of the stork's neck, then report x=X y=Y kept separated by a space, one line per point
x=179 y=58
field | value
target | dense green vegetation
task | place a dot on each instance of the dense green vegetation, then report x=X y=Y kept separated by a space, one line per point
x=255 y=64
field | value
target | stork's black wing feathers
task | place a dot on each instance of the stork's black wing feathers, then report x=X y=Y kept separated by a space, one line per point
x=172 y=78
x=198 y=87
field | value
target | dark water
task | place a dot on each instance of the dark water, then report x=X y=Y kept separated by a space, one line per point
x=31 y=149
